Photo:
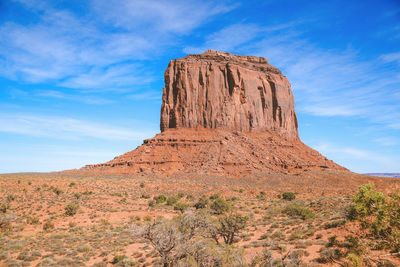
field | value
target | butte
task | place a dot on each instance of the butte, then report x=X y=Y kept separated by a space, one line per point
x=222 y=114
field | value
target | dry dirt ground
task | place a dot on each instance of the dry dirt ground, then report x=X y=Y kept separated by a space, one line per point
x=41 y=233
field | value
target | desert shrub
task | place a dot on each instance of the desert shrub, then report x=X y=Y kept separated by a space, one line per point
x=32 y=220
x=354 y=260
x=181 y=206
x=201 y=203
x=172 y=200
x=4 y=207
x=10 y=198
x=215 y=196
x=151 y=203
x=220 y=206
x=288 y=196
x=334 y=224
x=180 y=195
x=160 y=199
x=57 y=191
x=189 y=197
x=141 y=185
x=386 y=263
x=118 y=258
x=184 y=241
x=5 y=222
x=329 y=255
x=48 y=225
x=354 y=245
x=332 y=241
x=229 y=226
x=379 y=214
x=291 y=258
x=77 y=195
x=71 y=209
x=298 y=210
x=72 y=184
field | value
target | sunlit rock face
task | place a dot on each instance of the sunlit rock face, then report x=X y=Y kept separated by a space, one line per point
x=224 y=91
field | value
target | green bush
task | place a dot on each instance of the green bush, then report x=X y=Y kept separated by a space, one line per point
x=354 y=260
x=297 y=210
x=230 y=226
x=151 y=203
x=202 y=203
x=160 y=199
x=379 y=214
x=57 y=191
x=5 y=222
x=334 y=224
x=4 y=207
x=220 y=206
x=289 y=196
x=181 y=206
x=71 y=209
x=172 y=200
x=215 y=196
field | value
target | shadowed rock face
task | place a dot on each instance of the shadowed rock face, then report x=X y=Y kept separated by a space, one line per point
x=225 y=91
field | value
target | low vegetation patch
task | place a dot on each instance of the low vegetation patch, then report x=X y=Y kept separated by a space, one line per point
x=298 y=210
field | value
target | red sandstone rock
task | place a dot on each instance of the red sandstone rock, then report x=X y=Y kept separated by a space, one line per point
x=216 y=151
x=222 y=114
x=224 y=91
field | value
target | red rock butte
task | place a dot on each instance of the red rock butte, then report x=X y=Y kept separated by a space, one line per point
x=222 y=114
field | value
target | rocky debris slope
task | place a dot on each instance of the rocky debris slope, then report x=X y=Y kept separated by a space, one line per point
x=224 y=91
x=216 y=151
x=222 y=114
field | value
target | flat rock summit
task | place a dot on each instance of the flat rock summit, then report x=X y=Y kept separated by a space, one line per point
x=222 y=114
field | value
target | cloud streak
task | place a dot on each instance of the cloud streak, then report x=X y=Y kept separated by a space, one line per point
x=326 y=82
x=96 y=50
x=66 y=128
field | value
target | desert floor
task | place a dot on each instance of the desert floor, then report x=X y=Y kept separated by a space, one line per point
x=40 y=232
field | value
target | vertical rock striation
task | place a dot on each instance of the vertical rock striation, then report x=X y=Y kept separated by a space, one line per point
x=224 y=91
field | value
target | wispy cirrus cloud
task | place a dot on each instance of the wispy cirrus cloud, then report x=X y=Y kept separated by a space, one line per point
x=95 y=49
x=175 y=16
x=392 y=57
x=43 y=95
x=326 y=82
x=66 y=128
x=347 y=154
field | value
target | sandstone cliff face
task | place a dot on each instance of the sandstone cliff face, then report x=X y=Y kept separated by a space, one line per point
x=224 y=91
x=222 y=114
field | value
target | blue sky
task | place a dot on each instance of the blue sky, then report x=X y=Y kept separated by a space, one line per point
x=81 y=81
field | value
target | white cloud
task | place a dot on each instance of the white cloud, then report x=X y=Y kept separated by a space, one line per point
x=175 y=16
x=149 y=95
x=87 y=99
x=228 y=38
x=392 y=57
x=95 y=49
x=386 y=141
x=371 y=161
x=326 y=82
x=65 y=128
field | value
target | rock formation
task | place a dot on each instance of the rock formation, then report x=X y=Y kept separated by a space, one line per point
x=222 y=114
x=224 y=91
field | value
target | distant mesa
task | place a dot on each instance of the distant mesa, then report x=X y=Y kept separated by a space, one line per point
x=222 y=114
